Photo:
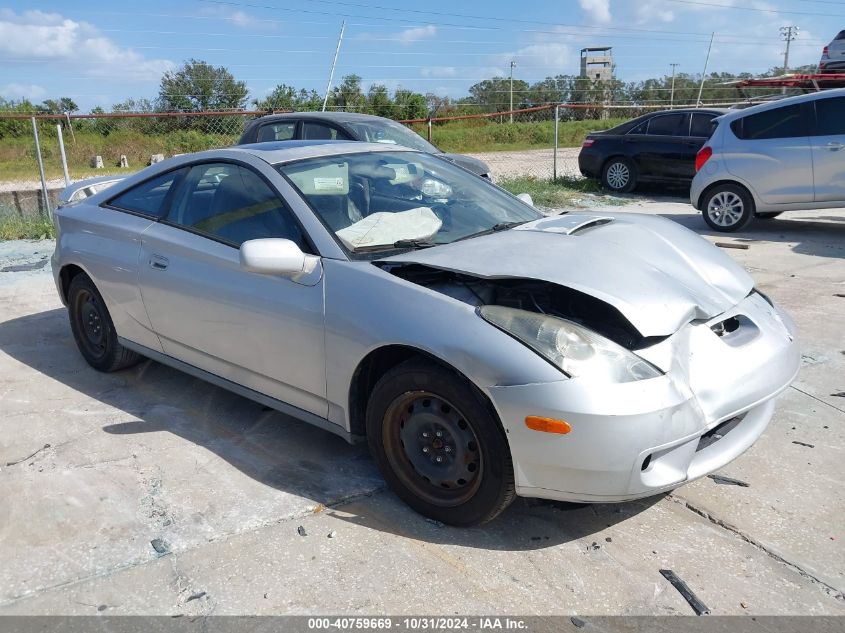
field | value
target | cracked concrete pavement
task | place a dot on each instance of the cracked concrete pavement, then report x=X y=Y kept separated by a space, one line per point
x=150 y=492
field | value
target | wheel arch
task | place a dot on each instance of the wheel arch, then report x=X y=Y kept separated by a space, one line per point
x=376 y=364
x=67 y=273
x=726 y=181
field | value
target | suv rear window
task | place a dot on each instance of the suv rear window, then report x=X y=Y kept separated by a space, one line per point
x=785 y=122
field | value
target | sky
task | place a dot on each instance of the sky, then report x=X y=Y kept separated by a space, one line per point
x=101 y=52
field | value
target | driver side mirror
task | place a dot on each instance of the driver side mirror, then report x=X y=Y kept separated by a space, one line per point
x=277 y=256
x=526 y=198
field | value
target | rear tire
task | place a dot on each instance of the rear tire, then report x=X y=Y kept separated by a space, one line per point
x=619 y=175
x=727 y=208
x=438 y=446
x=93 y=328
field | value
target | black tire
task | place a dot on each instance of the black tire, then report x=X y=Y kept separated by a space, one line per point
x=619 y=175
x=727 y=208
x=93 y=328
x=472 y=479
x=768 y=215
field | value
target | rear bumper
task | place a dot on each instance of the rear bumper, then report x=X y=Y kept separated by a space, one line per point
x=638 y=439
x=590 y=162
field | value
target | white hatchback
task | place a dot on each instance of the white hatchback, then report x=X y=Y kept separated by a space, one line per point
x=774 y=157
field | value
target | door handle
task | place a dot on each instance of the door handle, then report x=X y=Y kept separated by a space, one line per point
x=834 y=146
x=158 y=262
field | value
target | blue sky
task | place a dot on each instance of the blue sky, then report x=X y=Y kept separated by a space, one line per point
x=101 y=52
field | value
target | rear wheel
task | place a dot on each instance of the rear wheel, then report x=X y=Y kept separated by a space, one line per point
x=619 y=174
x=727 y=208
x=438 y=446
x=93 y=328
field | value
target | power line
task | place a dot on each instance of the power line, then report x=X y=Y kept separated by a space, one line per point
x=758 y=9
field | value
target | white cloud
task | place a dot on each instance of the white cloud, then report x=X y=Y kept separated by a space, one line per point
x=416 y=34
x=438 y=71
x=239 y=18
x=31 y=92
x=598 y=10
x=39 y=36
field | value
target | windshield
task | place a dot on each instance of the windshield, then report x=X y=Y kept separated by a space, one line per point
x=377 y=201
x=391 y=133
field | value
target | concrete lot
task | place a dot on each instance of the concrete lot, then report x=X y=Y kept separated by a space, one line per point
x=150 y=492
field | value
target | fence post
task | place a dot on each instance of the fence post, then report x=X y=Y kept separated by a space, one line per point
x=62 y=152
x=554 y=160
x=429 y=129
x=41 y=169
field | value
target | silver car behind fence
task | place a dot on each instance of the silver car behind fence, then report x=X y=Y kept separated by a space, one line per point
x=482 y=349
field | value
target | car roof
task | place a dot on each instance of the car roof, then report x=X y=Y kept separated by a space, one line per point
x=337 y=117
x=285 y=151
x=732 y=115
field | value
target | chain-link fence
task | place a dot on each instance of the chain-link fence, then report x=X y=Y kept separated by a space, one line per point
x=540 y=142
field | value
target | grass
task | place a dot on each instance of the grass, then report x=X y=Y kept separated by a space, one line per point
x=564 y=192
x=479 y=135
x=15 y=227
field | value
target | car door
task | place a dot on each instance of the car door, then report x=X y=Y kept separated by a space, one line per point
x=657 y=151
x=260 y=331
x=773 y=154
x=828 y=145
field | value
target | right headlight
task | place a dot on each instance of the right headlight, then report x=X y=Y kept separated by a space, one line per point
x=577 y=351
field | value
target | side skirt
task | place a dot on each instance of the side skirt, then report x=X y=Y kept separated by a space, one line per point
x=246 y=392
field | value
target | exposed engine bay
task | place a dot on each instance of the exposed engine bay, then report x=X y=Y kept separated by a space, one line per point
x=527 y=294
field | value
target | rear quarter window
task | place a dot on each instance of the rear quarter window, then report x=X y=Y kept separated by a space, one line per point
x=148 y=198
x=785 y=122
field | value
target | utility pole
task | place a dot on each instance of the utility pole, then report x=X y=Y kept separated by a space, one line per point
x=513 y=65
x=787 y=33
x=672 y=92
x=334 y=63
x=704 y=72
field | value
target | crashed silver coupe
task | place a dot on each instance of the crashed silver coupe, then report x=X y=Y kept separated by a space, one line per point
x=483 y=349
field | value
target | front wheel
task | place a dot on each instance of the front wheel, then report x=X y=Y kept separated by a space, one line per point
x=727 y=208
x=619 y=175
x=438 y=446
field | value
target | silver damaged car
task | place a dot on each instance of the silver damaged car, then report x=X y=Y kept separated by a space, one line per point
x=482 y=349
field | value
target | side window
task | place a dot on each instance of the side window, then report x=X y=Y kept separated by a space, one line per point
x=233 y=204
x=702 y=125
x=148 y=197
x=276 y=131
x=667 y=125
x=318 y=131
x=830 y=116
x=642 y=128
x=785 y=122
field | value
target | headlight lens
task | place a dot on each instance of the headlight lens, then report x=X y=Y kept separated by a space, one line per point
x=577 y=351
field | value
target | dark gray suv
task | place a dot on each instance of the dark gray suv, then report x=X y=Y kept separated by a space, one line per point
x=348 y=126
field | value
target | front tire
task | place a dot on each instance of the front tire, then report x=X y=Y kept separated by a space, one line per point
x=93 y=328
x=619 y=175
x=438 y=446
x=727 y=208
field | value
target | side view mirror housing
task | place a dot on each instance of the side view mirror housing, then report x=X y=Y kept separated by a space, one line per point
x=526 y=198
x=277 y=256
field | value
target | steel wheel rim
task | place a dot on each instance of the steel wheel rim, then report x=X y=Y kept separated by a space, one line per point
x=618 y=175
x=725 y=208
x=91 y=325
x=444 y=470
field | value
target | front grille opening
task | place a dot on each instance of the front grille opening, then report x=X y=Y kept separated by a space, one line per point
x=646 y=463
x=717 y=433
x=726 y=327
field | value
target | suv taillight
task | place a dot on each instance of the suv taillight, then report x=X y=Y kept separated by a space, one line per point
x=702 y=157
x=588 y=142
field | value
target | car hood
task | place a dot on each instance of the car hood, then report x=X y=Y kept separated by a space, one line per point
x=658 y=274
x=475 y=165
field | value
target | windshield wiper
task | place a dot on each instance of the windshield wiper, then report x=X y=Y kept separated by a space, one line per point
x=413 y=244
x=501 y=226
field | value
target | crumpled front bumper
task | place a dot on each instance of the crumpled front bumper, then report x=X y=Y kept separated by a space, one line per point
x=637 y=439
